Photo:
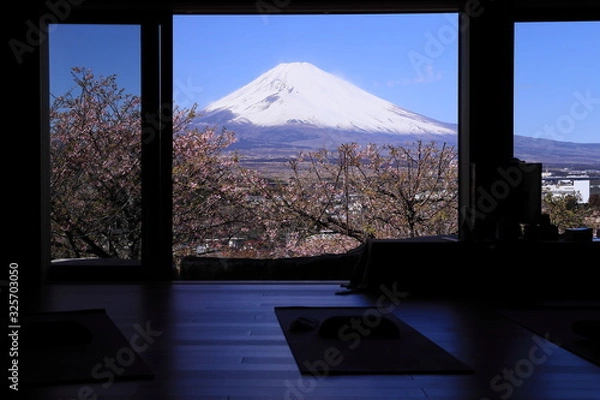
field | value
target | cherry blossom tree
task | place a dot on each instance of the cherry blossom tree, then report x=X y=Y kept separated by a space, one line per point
x=412 y=189
x=335 y=200
x=211 y=202
x=95 y=184
x=95 y=188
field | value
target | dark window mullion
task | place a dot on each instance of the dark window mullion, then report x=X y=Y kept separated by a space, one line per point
x=166 y=149
x=151 y=207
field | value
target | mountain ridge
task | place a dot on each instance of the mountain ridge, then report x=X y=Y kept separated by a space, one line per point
x=298 y=107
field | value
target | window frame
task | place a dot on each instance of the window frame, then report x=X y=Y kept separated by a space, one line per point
x=156 y=140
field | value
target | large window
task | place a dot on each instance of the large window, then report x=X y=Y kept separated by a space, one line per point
x=312 y=133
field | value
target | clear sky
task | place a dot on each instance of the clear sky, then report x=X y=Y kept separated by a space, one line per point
x=105 y=49
x=410 y=60
x=557 y=81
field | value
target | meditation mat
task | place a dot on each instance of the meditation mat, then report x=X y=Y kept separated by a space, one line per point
x=360 y=340
x=574 y=329
x=77 y=347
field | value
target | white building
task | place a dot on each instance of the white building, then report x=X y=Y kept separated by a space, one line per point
x=561 y=185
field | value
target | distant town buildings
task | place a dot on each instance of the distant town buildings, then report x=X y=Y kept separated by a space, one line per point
x=579 y=183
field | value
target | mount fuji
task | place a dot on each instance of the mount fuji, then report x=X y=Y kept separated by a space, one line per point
x=297 y=106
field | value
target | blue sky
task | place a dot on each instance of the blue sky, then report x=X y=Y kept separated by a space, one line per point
x=557 y=81
x=106 y=50
x=410 y=60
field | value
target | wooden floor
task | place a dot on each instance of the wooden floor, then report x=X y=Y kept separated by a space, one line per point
x=222 y=341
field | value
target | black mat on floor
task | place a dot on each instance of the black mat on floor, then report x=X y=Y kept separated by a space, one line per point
x=569 y=327
x=357 y=340
x=72 y=347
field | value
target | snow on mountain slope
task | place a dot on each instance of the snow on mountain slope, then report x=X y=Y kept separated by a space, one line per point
x=299 y=93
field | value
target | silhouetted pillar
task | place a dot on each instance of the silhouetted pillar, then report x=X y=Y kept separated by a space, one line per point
x=485 y=117
x=157 y=139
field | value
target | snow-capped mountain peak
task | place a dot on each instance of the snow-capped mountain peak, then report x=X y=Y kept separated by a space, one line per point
x=300 y=93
